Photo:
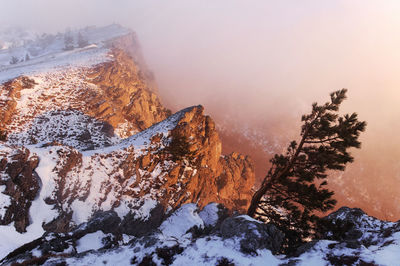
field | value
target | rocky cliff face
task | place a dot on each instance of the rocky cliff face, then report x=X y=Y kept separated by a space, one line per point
x=114 y=92
x=19 y=185
x=134 y=176
x=87 y=133
x=126 y=99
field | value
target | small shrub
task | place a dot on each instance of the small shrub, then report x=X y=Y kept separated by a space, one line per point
x=3 y=135
x=82 y=40
x=14 y=60
x=68 y=41
x=342 y=260
x=147 y=261
x=179 y=148
x=168 y=253
x=225 y=262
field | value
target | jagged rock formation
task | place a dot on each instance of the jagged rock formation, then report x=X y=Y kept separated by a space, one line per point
x=351 y=237
x=113 y=92
x=125 y=97
x=89 y=125
x=355 y=228
x=233 y=174
x=141 y=168
x=19 y=185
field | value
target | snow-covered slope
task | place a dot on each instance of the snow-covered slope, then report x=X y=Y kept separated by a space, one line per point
x=189 y=236
x=47 y=52
x=134 y=177
x=99 y=80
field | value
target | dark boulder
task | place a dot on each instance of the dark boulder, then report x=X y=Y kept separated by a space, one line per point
x=253 y=234
x=21 y=183
x=131 y=225
x=106 y=221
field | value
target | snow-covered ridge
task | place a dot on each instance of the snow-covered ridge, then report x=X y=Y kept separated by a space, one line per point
x=47 y=52
x=99 y=87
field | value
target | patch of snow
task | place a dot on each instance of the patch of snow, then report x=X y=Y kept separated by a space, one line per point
x=209 y=251
x=314 y=257
x=141 y=213
x=120 y=256
x=185 y=218
x=209 y=214
x=248 y=218
x=91 y=241
x=47 y=52
x=36 y=253
x=5 y=201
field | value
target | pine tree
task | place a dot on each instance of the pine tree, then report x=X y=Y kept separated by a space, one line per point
x=3 y=135
x=14 y=60
x=68 y=41
x=179 y=148
x=82 y=40
x=295 y=185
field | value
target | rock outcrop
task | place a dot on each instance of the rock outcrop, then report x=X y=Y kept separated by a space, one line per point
x=254 y=235
x=125 y=94
x=19 y=185
x=185 y=228
x=224 y=179
x=10 y=92
x=354 y=227
x=119 y=92
x=144 y=168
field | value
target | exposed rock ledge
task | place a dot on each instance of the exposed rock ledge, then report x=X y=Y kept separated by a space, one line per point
x=142 y=169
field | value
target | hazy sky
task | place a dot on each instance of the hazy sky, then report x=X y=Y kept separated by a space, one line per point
x=269 y=50
x=261 y=52
x=259 y=59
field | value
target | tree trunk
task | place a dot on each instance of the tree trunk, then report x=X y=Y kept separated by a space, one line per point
x=255 y=200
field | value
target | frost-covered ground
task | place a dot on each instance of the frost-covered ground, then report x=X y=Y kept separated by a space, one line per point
x=60 y=84
x=193 y=236
x=47 y=52
x=176 y=243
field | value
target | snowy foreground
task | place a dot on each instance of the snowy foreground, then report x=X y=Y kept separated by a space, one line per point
x=210 y=237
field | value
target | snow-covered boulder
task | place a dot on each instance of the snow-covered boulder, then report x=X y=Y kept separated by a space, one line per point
x=213 y=214
x=181 y=221
x=352 y=226
x=253 y=234
x=140 y=226
x=107 y=222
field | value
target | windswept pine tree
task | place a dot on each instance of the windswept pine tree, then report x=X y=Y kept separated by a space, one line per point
x=82 y=40
x=295 y=185
x=68 y=41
